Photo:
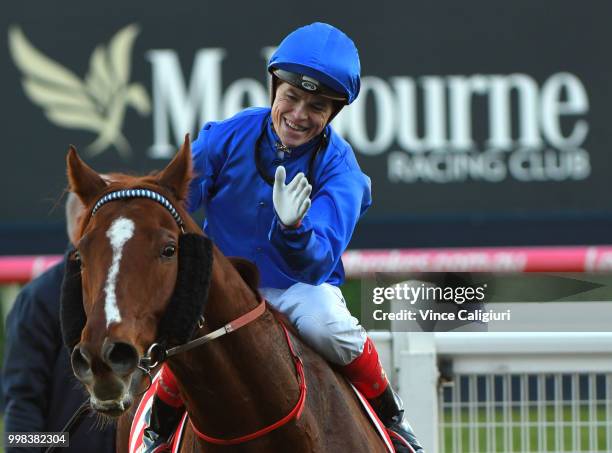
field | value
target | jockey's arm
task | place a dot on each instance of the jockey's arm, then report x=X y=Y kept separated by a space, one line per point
x=311 y=251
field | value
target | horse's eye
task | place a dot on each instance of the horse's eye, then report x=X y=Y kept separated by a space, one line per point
x=169 y=251
x=76 y=256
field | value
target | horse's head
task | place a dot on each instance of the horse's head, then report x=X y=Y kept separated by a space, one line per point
x=131 y=248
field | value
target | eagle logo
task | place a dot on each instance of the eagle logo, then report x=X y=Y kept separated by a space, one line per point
x=99 y=102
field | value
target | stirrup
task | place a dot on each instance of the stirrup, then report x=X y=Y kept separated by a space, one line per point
x=389 y=408
x=401 y=444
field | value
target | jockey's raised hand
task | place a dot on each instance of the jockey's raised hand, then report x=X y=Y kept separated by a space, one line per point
x=291 y=201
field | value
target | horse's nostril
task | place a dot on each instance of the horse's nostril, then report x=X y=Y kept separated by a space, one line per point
x=121 y=357
x=81 y=363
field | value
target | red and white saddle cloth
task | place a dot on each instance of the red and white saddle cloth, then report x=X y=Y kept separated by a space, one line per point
x=141 y=419
x=144 y=408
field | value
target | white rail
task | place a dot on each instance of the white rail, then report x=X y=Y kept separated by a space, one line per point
x=503 y=392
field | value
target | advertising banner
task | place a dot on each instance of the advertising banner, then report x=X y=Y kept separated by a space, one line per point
x=478 y=123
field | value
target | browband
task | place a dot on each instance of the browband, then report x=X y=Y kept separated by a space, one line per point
x=139 y=193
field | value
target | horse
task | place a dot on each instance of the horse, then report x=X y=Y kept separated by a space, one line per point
x=144 y=275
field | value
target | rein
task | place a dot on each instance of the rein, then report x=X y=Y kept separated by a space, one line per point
x=73 y=424
x=157 y=354
x=295 y=413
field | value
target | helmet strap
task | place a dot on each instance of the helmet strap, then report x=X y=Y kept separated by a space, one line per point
x=337 y=106
x=273 y=87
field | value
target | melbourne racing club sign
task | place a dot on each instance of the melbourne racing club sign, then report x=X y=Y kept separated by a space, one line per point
x=423 y=127
x=471 y=135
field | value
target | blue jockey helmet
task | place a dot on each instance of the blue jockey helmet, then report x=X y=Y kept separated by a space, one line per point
x=320 y=59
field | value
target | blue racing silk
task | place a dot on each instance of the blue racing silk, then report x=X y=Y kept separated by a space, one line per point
x=237 y=201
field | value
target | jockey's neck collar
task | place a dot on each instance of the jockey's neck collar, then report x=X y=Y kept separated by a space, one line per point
x=266 y=143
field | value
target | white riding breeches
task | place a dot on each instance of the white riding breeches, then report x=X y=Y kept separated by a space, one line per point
x=320 y=315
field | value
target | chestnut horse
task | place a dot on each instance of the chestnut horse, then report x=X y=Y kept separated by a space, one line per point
x=128 y=274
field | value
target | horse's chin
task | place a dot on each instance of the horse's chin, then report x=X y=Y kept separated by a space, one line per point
x=111 y=408
x=122 y=398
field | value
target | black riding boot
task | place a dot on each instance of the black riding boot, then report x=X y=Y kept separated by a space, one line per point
x=389 y=409
x=162 y=423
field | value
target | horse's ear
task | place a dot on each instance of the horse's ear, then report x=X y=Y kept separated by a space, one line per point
x=177 y=174
x=83 y=180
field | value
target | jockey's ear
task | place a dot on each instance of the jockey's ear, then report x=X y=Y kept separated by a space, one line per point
x=83 y=180
x=177 y=174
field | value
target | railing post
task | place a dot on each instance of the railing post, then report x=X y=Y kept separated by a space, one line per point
x=418 y=384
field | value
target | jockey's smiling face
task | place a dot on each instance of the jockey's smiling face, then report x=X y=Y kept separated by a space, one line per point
x=298 y=116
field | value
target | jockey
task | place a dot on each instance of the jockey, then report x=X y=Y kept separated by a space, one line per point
x=295 y=233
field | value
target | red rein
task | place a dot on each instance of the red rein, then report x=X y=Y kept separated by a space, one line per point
x=295 y=413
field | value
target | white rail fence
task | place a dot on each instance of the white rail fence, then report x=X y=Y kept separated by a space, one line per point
x=504 y=392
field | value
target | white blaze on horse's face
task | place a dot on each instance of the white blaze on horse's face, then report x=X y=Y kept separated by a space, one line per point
x=120 y=231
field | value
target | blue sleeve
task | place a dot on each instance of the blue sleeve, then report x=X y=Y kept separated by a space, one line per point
x=206 y=163
x=33 y=343
x=311 y=252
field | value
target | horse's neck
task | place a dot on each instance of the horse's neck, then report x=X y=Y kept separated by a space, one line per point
x=242 y=380
x=229 y=296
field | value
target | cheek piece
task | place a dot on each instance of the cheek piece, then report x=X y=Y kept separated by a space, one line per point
x=186 y=305
x=72 y=313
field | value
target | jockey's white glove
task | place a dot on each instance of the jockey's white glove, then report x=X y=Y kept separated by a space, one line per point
x=291 y=201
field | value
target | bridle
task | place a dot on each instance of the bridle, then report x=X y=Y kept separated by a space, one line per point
x=157 y=353
x=140 y=193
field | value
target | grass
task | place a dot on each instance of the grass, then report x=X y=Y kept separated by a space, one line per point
x=531 y=431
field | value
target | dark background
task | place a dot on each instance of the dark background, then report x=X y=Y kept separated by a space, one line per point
x=394 y=39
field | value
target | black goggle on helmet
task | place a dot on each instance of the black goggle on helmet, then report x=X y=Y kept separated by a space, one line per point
x=307 y=84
